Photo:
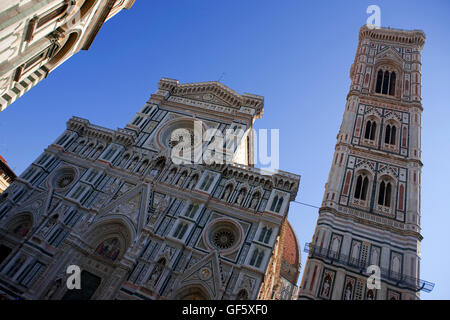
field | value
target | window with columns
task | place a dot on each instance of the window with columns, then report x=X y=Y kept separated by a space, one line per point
x=386 y=81
x=371 y=129
x=390 y=134
x=385 y=193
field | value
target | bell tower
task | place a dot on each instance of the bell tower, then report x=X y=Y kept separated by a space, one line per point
x=370 y=213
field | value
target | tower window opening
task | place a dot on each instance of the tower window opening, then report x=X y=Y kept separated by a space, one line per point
x=386 y=82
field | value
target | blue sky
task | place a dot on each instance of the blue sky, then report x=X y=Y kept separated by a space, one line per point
x=297 y=54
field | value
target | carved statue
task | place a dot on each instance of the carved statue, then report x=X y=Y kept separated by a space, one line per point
x=254 y=202
x=227 y=192
x=240 y=197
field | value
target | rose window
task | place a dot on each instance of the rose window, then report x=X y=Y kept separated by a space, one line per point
x=223 y=239
x=64 y=180
x=224 y=235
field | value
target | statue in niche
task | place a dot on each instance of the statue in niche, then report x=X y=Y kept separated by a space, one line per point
x=227 y=192
x=348 y=291
x=240 y=196
x=181 y=179
x=326 y=286
x=255 y=200
x=157 y=271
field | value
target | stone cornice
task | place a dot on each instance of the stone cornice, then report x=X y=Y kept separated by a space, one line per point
x=396 y=104
x=380 y=155
x=84 y=128
x=400 y=36
x=369 y=219
x=234 y=99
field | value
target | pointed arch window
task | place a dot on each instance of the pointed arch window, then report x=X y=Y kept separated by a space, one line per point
x=277 y=203
x=362 y=184
x=385 y=193
x=371 y=128
x=390 y=134
x=257 y=258
x=392 y=84
x=379 y=81
x=386 y=82
x=265 y=235
x=274 y=203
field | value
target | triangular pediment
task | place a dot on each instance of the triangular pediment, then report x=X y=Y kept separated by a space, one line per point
x=207 y=273
x=212 y=92
x=389 y=54
x=132 y=204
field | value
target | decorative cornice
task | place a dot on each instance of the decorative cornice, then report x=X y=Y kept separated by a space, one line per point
x=362 y=218
x=405 y=37
x=223 y=92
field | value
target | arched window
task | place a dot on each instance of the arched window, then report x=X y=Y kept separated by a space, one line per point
x=371 y=128
x=362 y=184
x=392 y=84
x=257 y=257
x=386 y=82
x=379 y=81
x=280 y=203
x=277 y=202
x=390 y=133
x=274 y=203
x=265 y=235
x=384 y=194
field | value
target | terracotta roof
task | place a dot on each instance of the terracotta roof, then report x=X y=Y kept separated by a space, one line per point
x=291 y=253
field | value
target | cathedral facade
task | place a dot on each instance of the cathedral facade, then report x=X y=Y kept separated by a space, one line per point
x=138 y=223
x=37 y=36
x=369 y=221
